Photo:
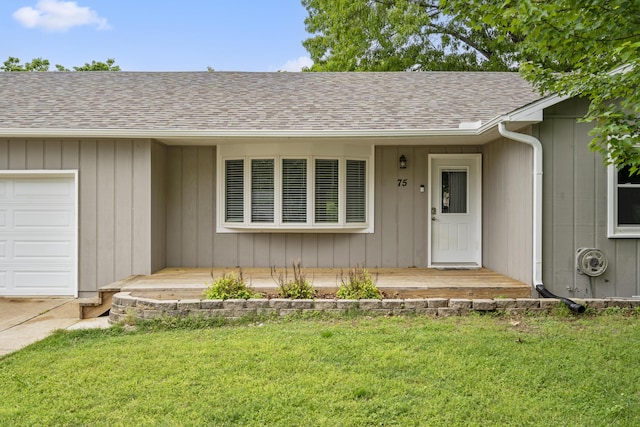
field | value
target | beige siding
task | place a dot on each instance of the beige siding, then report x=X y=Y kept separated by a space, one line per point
x=114 y=201
x=507 y=209
x=158 y=204
x=400 y=233
x=575 y=210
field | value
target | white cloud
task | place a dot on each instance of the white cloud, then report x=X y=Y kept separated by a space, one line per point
x=296 y=64
x=55 y=15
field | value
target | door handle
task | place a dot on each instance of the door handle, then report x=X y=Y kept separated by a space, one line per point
x=433 y=218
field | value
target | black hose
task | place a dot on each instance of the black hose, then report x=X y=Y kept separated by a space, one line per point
x=573 y=306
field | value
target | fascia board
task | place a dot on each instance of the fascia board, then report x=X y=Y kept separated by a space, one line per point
x=534 y=111
x=212 y=134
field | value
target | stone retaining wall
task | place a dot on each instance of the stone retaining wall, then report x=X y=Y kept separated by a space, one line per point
x=125 y=305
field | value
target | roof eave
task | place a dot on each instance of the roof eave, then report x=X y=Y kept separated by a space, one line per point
x=531 y=113
x=217 y=134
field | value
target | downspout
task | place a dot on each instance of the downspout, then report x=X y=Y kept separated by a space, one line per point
x=537 y=213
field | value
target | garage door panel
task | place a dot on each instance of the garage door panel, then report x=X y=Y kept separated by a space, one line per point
x=43 y=189
x=25 y=248
x=42 y=219
x=42 y=279
x=35 y=250
x=38 y=235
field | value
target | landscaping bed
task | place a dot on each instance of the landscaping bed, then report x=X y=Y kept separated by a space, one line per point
x=128 y=307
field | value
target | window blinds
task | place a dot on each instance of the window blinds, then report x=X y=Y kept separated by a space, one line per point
x=294 y=190
x=326 y=190
x=356 y=191
x=234 y=190
x=262 y=186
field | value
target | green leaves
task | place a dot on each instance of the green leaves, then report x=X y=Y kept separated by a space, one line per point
x=36 y=64
x=296 y=288
x=39 y=64
x=109 y=65
x=358 y=285
x=388 y=35
x=588 y=48
x=229 y=286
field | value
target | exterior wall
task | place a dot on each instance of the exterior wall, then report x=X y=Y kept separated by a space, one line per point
x=507 y=223
x=114 y=202
x=399 y=240
x=158 y=206
x=575 y=210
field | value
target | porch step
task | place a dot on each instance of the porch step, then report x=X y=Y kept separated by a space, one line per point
x=91 y=308
x=189 y=283
x=195 y=292
x=485 y=292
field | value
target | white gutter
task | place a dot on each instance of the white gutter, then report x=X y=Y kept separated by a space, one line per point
x=537 y=196
x=205 y=134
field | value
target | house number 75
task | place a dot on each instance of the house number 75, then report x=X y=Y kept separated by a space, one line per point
x=402 y=182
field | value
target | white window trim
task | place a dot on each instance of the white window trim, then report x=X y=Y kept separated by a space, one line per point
x=310 y=152
x=613 y=230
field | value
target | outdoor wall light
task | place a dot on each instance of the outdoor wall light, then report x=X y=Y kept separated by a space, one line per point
x=403 y=162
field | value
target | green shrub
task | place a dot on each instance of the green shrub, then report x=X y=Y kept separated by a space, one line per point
x=230 y=286
x=358 y=285
x=297 y=288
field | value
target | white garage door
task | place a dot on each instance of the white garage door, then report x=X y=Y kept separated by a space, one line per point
x=38 y=235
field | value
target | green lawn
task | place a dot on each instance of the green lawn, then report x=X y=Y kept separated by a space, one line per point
x=476 y=370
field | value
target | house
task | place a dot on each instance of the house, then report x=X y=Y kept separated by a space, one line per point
x=105 y=175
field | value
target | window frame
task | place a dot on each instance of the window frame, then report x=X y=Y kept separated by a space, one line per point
x=310 y=153
x=613 y=229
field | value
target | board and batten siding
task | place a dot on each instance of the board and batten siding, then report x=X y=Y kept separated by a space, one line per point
x=158 y=206
x=401 y=215
x=507 y=212
x=114 y=202
x=575 y=210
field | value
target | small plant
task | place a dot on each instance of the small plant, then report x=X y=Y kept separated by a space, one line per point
x=358 y=285
x=229 y=286
x=297 y=288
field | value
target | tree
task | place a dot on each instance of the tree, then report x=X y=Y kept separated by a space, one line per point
x=387 y=35
x=98 y=66
x=595 y=43
x=39 y=64
x=36 y=64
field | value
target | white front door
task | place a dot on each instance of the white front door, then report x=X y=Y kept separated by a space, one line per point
x=455 y=210
x=38 y=234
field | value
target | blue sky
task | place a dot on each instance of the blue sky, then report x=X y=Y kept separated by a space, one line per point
x=157 y=35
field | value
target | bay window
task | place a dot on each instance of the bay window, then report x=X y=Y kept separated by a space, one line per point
x=307 y=190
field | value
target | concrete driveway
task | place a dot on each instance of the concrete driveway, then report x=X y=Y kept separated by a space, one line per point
x=24 y=321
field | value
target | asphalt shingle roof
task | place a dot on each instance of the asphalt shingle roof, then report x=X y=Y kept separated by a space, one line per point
x=206 y=101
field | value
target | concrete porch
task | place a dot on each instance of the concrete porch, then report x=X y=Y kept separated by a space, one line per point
x=189 y=283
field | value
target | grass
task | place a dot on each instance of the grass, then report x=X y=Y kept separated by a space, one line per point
x=348 y=371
